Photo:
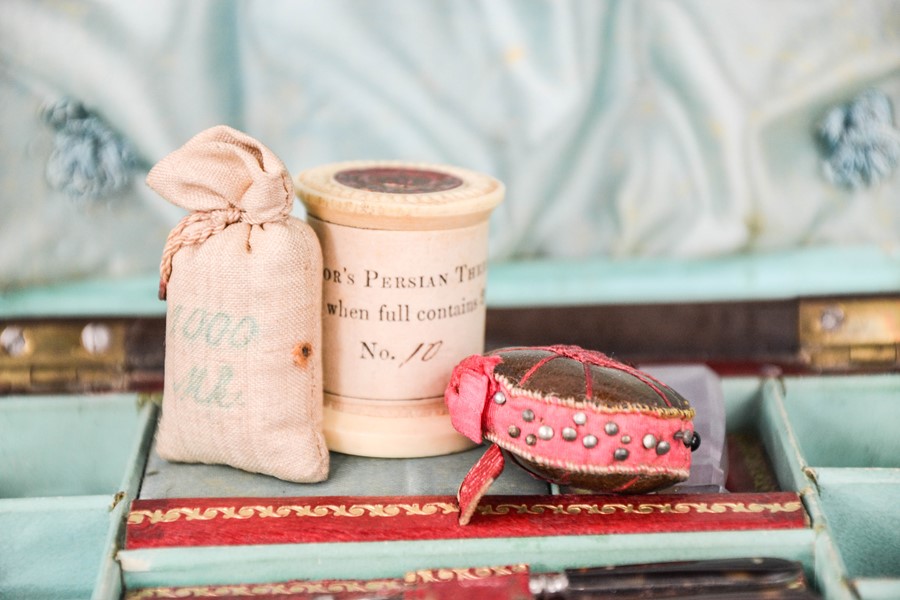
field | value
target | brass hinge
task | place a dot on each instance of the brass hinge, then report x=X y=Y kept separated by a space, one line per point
x=59 y=355
x=848 y=334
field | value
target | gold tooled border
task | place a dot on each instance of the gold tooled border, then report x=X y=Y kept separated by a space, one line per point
x=153 y=517
x=136 y=517
x=463 y=574
x=643 y=508
x=269 y=589
x=422 y=576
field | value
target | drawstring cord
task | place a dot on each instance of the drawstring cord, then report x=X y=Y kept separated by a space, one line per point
x=192 y=230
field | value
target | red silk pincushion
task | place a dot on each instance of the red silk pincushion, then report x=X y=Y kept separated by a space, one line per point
x=570 y=416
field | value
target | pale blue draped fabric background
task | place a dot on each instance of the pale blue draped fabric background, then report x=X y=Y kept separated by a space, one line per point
x=621 y=129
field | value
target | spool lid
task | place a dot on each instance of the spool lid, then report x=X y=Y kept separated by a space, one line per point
x=397 y=195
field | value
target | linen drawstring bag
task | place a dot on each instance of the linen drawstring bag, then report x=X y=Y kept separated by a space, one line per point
x=242 y=281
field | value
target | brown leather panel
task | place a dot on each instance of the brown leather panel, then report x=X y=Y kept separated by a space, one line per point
x=564 y=377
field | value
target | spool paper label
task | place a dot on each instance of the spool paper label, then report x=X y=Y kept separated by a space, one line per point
x=400 y=308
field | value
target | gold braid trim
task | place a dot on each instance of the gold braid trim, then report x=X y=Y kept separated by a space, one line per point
x=665 y=412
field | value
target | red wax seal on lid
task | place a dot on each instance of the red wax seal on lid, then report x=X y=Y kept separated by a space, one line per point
x=570 y=416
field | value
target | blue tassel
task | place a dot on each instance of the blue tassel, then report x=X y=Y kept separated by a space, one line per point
x=89 y=160
x=860 y=144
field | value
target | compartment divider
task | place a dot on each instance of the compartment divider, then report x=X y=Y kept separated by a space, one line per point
x=368 y=560
x=779 y=439
x=109 y=583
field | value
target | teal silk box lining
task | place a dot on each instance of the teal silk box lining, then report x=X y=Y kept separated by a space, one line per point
x=71 y=465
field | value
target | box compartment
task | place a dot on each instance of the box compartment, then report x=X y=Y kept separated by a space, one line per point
x=845 y=422
x=66 y=446
x=860 y=510
x=52 y=547
x=831 y=440
x=70 y=468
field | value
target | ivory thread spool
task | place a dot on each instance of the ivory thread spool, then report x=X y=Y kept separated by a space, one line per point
x=405 y=269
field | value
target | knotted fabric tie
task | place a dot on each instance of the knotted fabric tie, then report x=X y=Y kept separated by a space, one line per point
x=223 y=176
x=193 y=229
